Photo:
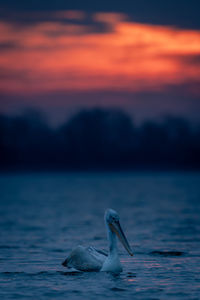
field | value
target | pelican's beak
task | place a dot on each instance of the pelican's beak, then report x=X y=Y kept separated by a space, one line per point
x=116 y=228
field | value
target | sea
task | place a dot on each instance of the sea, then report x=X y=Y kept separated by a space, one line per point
x=43 y=216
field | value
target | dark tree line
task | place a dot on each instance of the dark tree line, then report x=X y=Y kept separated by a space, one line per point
x=98 y=139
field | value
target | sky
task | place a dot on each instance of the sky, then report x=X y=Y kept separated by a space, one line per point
x=142 y=56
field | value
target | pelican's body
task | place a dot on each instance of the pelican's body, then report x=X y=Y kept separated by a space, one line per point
x=90 y=259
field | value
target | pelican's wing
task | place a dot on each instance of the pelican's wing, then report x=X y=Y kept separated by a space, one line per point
x=85 y=259
x=103 y=252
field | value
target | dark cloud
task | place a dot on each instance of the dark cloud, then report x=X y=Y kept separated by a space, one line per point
x=177 y=13
x=21 y=19
x=8 y=46
x=190 y=59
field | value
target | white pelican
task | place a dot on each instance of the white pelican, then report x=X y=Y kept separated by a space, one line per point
x=90 y=259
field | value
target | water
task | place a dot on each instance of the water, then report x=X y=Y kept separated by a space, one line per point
x=43 y=216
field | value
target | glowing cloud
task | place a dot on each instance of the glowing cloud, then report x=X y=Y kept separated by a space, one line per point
x=57 y=56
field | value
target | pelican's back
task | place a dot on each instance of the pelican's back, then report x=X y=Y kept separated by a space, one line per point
x=85 y=259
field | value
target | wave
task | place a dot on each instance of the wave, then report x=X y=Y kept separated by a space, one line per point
x=167 y=253
x=45 y=273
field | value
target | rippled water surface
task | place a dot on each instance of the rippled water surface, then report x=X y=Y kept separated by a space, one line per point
x=43 y=216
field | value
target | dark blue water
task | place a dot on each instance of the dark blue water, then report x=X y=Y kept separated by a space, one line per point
x=43 y=216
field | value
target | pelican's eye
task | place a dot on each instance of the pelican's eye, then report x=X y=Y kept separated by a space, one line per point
x=113 y=219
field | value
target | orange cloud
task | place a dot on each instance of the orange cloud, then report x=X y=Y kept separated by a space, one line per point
x=55 y=56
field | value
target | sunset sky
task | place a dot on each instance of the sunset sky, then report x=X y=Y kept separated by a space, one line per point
x=143 y=57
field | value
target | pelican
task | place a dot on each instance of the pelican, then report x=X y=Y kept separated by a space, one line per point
x=89 y=259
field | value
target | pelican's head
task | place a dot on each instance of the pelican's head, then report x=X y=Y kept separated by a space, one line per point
x=112 y=220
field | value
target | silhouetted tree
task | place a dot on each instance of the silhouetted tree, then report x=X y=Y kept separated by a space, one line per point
x=97 y=138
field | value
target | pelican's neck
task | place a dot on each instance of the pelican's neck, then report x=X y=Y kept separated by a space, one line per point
x=112 y=262
x=112 y=240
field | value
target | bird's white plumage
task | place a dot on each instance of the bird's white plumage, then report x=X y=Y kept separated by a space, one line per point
x=85 y=259
x=90 y=259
